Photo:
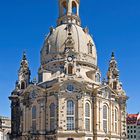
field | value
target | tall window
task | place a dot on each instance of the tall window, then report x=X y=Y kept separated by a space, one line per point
x=74 y=8
x=64 y=8
x=40 y=77
x=48 y=48
x=105 y=118
x=52 y=116
x=34 y=118
x=116 y=120
x=23 y=85
x=97 y=77
x=70 y=115
x=70 y=69
x=87 y=117
x=115 y=85
x=90 y=47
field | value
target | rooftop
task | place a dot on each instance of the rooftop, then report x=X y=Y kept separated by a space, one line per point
x=133 y=119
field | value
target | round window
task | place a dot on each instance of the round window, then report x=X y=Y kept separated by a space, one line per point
x=70 y=87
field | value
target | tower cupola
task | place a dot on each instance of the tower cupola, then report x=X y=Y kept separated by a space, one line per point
x=69 y=12
x=113 y=74
x=23 y=73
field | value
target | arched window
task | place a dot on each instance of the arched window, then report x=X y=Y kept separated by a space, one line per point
x=70 y=139
x=115 y=85
x=70 y=115
x=40 y=77
x=22 y=85
x=48 y=47
x=34 y=118
x=64 y=8
x=97 y=77
x=74 y=8
x=90 y=47
x=70 y=69
x=34 y=112
x=116 y=120
x=105 y=118
x=87 y=117
x=52 y=116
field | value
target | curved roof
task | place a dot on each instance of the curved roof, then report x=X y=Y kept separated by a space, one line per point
x=67 y=36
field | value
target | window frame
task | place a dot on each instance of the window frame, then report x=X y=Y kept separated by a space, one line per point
x=105 y=118
x=70 y=115
x=116 y=119
x=87 y=116
x=52 y=116
x=34 y=117
x=97 y=77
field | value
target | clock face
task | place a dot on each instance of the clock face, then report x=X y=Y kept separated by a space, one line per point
x=70 y=87
x=70 y=58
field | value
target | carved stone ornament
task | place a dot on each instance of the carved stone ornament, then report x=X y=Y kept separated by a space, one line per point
x=69 y=27
x=69 y=42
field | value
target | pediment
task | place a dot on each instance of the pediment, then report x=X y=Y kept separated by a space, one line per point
x=106 y=92
x=73 y=86
x=34 y=90
x=106 y=87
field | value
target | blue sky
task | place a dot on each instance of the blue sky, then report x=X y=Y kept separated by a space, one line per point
x=114 y=25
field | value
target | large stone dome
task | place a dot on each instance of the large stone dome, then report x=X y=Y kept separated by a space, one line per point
x=65 y=37
x=69 y=50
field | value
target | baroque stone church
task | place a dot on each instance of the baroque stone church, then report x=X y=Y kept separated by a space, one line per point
x=68 y=101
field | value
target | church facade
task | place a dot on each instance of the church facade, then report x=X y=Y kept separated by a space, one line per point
x=69 y=101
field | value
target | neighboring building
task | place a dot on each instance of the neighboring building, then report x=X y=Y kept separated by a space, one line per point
x=69 y=102
x=133 y=126
x=5 y=128
x=1 y=134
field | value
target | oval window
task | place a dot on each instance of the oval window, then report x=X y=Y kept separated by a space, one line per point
x=70 y=87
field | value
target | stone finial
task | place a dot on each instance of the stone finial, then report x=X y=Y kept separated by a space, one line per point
x=51 y=30
x=24 y=56
x=34 y=81
x=86 y=30
x=113 y=54
x=104 y=81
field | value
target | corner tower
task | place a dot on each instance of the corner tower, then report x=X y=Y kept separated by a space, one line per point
x=113 y=74
x=24 y=73
x=16 y=110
